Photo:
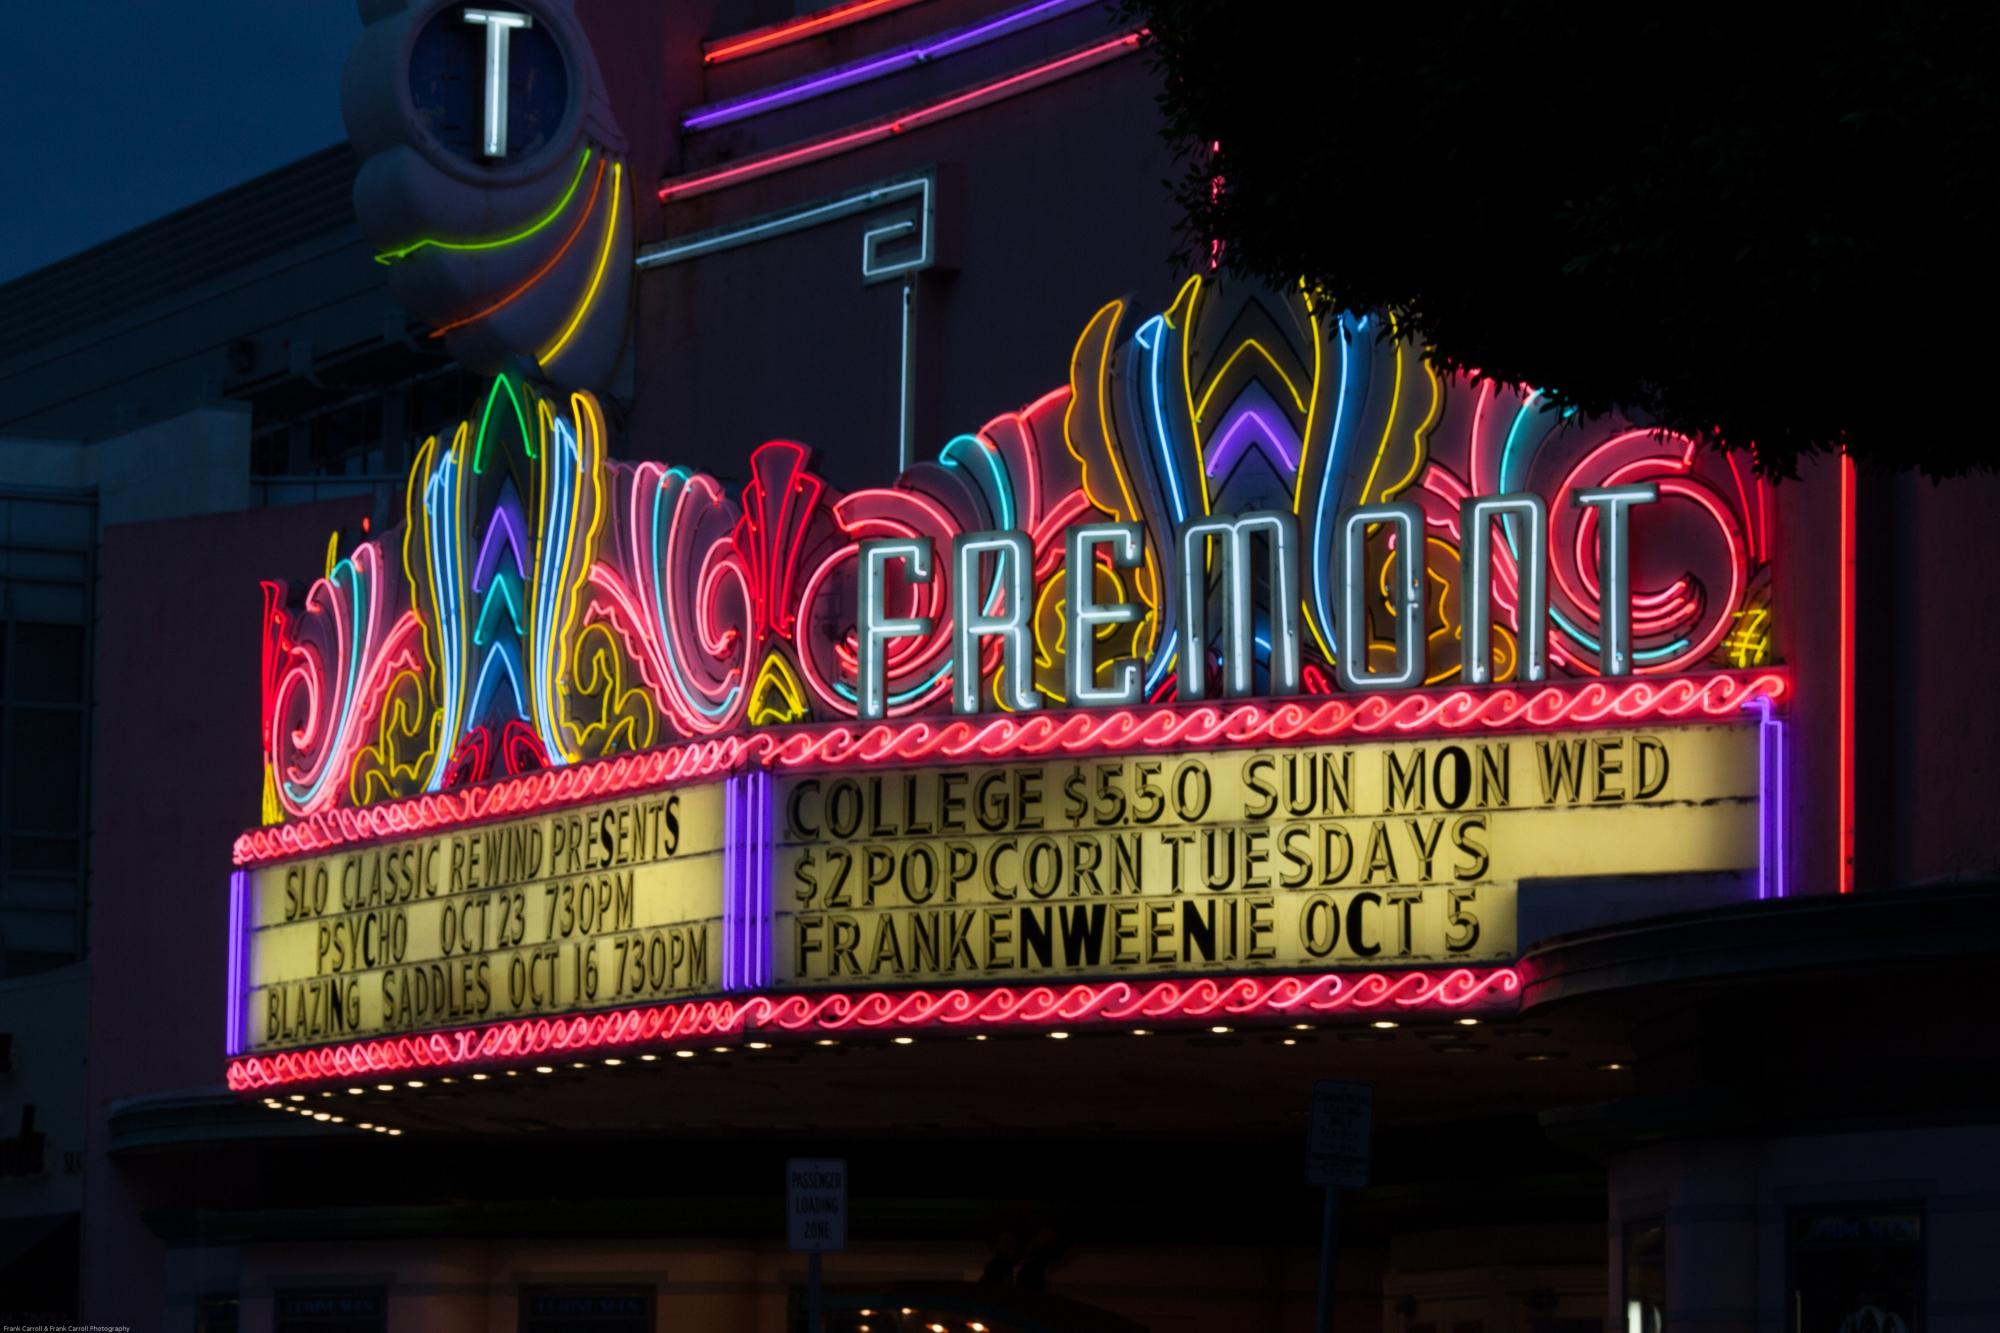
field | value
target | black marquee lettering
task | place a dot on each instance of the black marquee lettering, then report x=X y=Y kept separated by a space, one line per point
x=1354 y=940
x=1451 y=777
x=1319 y=925
x=1254 y=770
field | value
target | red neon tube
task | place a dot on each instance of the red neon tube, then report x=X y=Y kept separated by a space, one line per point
x=1847 y=539
x=951 y=1009
x=1307 y=720
x=999 y=89
x=576 y=230
x=794 y=30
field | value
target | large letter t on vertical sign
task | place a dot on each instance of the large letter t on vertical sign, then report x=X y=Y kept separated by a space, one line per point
x=500 y=25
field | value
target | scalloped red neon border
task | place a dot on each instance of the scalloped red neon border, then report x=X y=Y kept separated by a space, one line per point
x=1083 y=1002
x=1718 y=696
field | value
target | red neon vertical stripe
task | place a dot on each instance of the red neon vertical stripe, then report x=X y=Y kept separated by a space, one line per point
x=1847 y=535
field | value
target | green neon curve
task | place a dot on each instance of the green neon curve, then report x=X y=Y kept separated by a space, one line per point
x=390 y=256
x=520 y=418
x=505 y=589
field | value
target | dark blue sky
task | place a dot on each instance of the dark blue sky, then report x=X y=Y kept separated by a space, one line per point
x=122 y=110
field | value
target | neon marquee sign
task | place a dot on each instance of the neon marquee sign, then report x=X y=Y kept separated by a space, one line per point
x=1233 y=472
x=1327 y=520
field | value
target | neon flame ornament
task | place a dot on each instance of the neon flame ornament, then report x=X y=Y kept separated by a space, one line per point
x=326 y=671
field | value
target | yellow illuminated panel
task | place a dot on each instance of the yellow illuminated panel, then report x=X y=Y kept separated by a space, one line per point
x=1384 y=855
x=611 y=904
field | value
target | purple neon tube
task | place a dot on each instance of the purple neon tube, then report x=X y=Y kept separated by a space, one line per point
x=874 y=67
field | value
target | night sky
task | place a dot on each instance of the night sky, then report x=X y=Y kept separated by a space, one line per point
x=124 y=110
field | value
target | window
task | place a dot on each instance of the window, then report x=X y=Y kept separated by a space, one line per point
x=1857 y=1269
x=329 y=1310
x=47 y=544
x=216 y=1314
x=372 y=432
x=587 y=1309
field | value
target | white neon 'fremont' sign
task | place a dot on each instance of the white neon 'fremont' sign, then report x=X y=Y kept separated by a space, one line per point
x=1224 y=543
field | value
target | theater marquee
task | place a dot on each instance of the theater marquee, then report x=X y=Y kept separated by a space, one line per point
x=606 y=904
x=1363 y=856
x=593 y=753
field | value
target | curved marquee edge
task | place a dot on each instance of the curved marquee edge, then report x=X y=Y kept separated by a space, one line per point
x=833 y=1013
x=1717 y=696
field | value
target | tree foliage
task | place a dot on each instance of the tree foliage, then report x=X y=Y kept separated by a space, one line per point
x=1770 y=229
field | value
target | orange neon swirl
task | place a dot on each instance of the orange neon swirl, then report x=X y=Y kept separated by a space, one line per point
x=576 y=230
x=783 y=34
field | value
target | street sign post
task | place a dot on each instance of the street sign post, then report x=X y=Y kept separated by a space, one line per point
x=1338 y=1148
x=1343 y=1121
x=815 y=1218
